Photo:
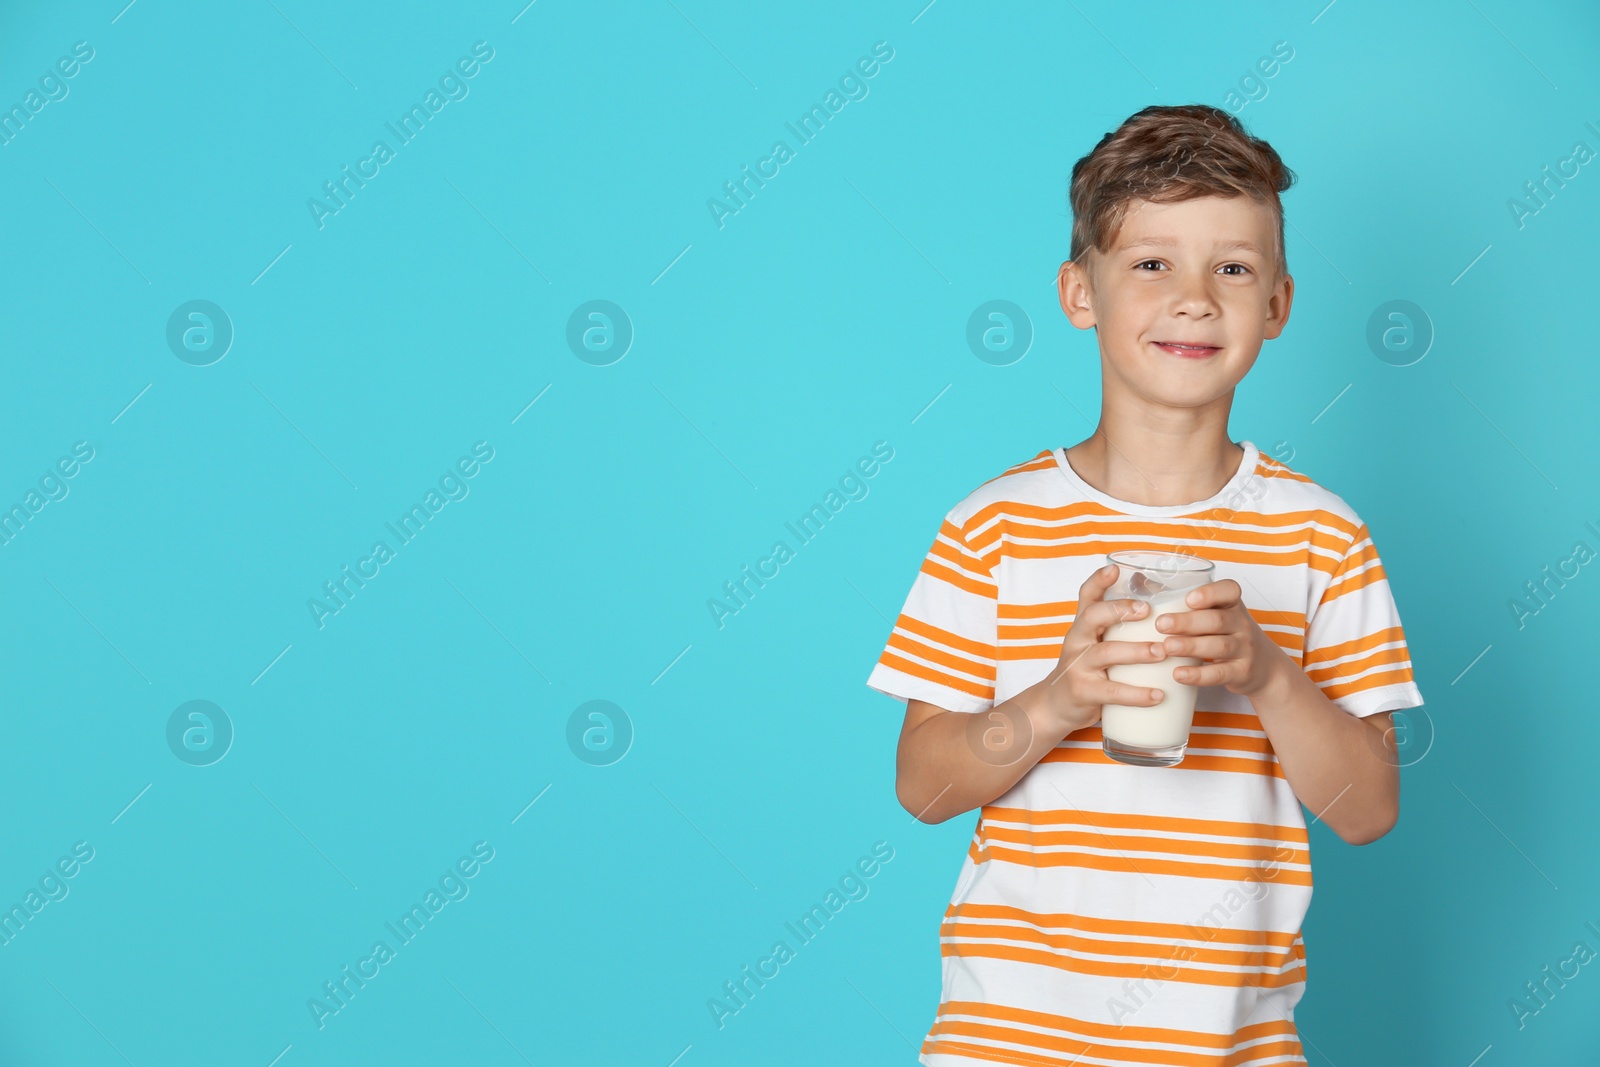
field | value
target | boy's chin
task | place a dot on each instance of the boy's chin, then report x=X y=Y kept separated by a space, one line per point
x=1186 y=383
x=1167 y=393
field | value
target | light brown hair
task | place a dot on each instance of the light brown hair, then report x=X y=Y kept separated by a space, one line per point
x=1169 y=153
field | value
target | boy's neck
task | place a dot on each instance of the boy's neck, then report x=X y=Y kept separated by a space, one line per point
x=1147 y=467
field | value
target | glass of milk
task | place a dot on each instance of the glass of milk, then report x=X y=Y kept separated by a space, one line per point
x=1152 y=735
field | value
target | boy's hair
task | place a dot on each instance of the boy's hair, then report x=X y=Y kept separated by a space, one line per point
x=1166 y=154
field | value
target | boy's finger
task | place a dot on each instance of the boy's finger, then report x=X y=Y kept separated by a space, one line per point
x=1136 y=696
x=1106 y=653
x=1104 y=614
x=1095 y=586
x=1213 y=594
x=1195 y=621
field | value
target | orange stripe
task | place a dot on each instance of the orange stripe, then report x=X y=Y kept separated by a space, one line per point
x=1284 y=472
x=1091 y=735
x=1119 y=927
x=934 y=569
x=930 y=1046
x=1295 y=620
x=948 y=638
x=1227 y=720
x=1269 y=1050
x=928 y=674
x=1258 y=959
x=951 y=545
x=1354 y=582
x=1341 y=580
x=1244 y=1058
x=1012 y=652
x=1122 y=864
x=1308 y=546
x=1353 y=557
x=1335 y=691
x=1000 y=1013
x=1020 y=511
x=980 y=667
x=1049 y=609
x=1044 y=460
x=1292 y=643
x=1041 y=839
x=1170 y=824
x=1063 y=614
x=1190 y=762
x=1356 y=666
x=1068 y=609
x=1215 y=553
x=1203 y=739
x=1294 y=530
x=1108 y=969
x=1304 y=544
x=1318 y=547
x=982 y=559
x=1388 y=635
x=1056 y=628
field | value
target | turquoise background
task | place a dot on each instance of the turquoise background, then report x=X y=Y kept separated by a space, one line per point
x=768 y=356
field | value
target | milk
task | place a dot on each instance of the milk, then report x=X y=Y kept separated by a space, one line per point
x=1163 y=725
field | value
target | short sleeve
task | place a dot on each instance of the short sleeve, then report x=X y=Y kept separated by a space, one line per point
x=1355 y=646
x=943 y=647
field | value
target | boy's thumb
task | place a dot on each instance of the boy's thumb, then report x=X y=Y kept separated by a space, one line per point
x=1101 y=579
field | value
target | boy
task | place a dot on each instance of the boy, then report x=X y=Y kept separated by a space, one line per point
x=1108 y=913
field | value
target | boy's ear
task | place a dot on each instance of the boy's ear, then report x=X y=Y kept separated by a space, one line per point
x=1072 y=288
x=1278 y=307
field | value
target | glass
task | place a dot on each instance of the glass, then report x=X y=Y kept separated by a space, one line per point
x=1153 y=735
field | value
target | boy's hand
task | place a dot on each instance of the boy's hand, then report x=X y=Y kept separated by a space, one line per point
x=1078 y=686
x=1217 y=628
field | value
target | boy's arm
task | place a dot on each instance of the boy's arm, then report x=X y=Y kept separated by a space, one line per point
x=1343 y=768
x=950 y=762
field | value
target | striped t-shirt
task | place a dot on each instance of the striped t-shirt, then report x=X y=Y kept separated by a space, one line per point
x=1106 y=913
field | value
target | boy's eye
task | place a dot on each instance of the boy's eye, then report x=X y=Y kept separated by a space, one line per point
x=1238 y=268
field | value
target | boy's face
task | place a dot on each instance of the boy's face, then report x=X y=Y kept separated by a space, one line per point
x=1199 y=272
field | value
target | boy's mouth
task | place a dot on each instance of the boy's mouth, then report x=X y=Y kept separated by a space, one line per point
x=1187 y=351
